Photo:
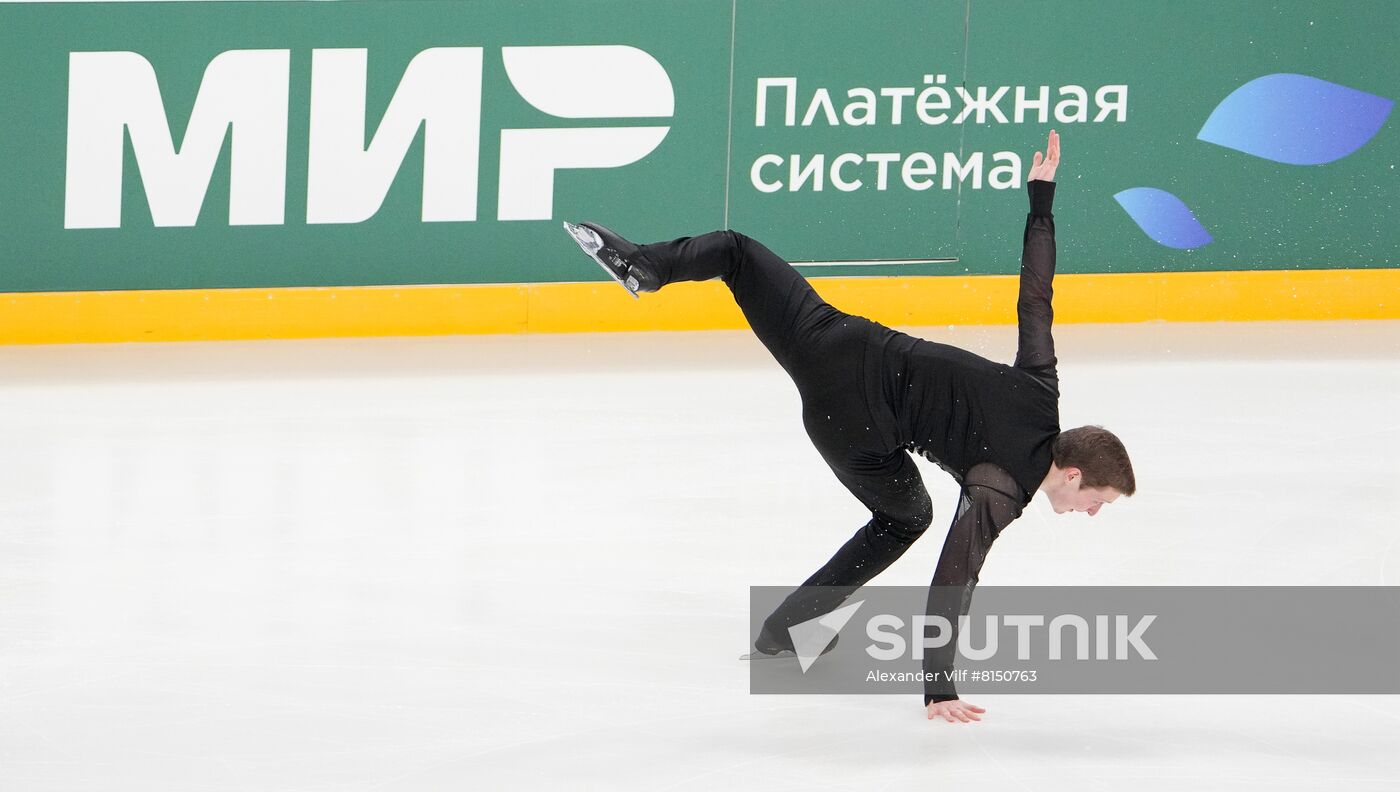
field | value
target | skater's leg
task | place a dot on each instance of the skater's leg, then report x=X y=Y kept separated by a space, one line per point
x=826 y=352
x=784 y=311
x=901 y=511
x=780 y=305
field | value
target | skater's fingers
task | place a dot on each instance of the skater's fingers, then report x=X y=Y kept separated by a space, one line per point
x=976 y=708
x=948 y=716
x=1035 y=161
x=971 y=715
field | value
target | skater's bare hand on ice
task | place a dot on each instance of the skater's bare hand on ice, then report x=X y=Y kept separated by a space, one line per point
x=954 y=711
x=1044 y=165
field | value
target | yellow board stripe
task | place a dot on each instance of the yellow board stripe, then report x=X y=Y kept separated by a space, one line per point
x=220 y=314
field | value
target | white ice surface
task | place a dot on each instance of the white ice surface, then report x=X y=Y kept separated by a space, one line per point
x=523 y=562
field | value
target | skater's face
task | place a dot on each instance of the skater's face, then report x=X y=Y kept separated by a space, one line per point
x=1074 y=497
x=1090 y=499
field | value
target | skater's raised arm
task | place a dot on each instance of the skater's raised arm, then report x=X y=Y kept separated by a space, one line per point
x=990 y=500
x=1035 y=351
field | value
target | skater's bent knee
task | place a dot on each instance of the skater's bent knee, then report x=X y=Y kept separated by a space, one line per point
x=907 y=527
x=736 y=242
x=920 y=522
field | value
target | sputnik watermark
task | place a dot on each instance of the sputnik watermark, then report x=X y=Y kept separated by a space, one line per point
x=1032 y=631
x=1089 y=639
x=889 y=644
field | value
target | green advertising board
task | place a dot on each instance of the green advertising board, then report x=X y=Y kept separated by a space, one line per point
x=207 y=145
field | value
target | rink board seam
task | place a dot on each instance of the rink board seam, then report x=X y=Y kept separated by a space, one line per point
x=309 y=312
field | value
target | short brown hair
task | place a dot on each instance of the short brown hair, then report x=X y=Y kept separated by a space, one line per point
x=1099 y=455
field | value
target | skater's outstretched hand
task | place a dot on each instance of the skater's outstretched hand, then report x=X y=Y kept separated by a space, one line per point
x=1043 y=165
x=954 y=711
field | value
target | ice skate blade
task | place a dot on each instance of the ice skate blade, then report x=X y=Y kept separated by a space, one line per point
x=589 y=241
x=786 y=654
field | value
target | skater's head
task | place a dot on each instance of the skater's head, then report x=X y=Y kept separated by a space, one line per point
x=1090 y=468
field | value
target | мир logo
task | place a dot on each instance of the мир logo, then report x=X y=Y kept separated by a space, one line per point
x=244 y=96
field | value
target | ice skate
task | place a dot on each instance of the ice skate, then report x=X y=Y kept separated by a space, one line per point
x=618 y=257
x=768 y=647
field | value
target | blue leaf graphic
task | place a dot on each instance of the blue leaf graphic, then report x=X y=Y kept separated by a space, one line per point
x=1296 y=119
x=1163 y=217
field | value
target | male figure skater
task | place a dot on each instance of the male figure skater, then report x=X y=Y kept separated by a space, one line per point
x=870 y=395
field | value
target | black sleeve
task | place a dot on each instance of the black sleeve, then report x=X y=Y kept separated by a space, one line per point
x=990 y=500
x=1035 y=350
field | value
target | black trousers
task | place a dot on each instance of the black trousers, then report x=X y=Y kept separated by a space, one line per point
x=833 y=358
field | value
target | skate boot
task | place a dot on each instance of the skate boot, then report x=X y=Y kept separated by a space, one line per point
x=769 y=645
x=618 y=257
